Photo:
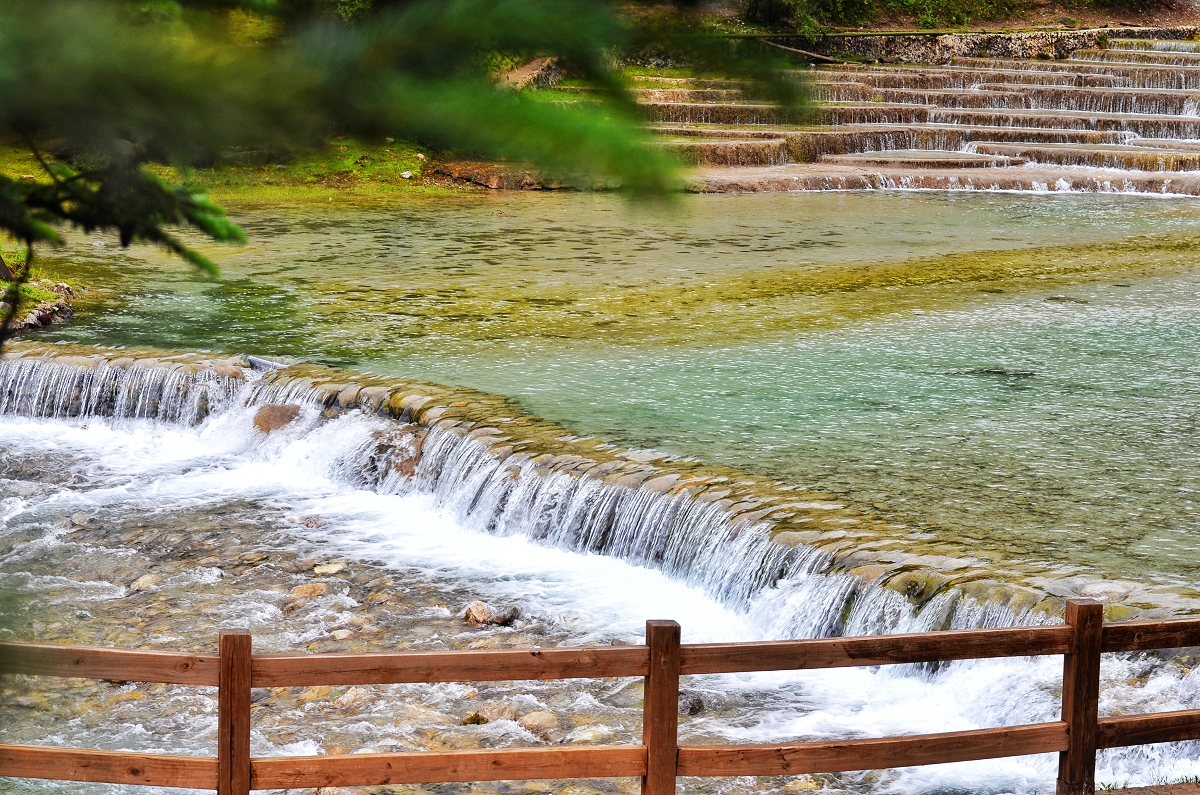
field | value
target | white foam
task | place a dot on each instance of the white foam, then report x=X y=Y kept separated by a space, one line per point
x=139 y=465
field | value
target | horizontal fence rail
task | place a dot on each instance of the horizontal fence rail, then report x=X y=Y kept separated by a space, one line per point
x=659 y=759
x=287 y=670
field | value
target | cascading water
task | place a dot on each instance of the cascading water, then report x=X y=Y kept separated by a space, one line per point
x=50 y=389
x=1136 y=88
x=586 y=559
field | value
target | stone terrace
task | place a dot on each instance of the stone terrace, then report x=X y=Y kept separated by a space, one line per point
x=1124 y=116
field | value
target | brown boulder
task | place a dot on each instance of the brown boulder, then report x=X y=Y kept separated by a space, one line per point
x=273 y=417
x=479 y=614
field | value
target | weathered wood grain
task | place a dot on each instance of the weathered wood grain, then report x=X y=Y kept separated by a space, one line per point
x=717 y=658
x=112 y=767
x=419 y=768
x=1141 y=635
x=1161 y=727
x=233 y=715
x=122 y=665
x=873 y=754
x=660 y=708
x=1081 y=698
x=286 y=670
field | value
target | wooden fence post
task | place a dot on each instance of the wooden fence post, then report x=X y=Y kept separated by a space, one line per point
x=660 y=712
x=1081 y=698
x=233 y=715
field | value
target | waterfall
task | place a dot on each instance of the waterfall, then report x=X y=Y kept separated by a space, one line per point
x=790 y=590
x=99 y=388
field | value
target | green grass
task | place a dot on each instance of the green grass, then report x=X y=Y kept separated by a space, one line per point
x=343 y=165
x=30 y=294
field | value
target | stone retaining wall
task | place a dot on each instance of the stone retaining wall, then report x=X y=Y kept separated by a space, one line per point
x=941 y=48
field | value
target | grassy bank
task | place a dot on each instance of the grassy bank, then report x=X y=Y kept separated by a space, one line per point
x=32 y=293
x=342 y=165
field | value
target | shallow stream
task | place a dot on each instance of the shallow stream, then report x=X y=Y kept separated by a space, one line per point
x=1015 y=372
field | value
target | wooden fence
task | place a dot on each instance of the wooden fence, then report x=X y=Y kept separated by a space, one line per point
x=659 y=759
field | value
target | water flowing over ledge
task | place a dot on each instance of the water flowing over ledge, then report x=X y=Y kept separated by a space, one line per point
x=802 y=563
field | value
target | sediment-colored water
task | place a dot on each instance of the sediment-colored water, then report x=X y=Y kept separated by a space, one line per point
x=1010 y=374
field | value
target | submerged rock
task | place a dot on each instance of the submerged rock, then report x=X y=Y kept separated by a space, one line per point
x=310 y=589
x=690 y=703
x=144 y=582
x=538 y=721
x=479 y=614
x=273 y=417
x=491 y=711
x=354 y=697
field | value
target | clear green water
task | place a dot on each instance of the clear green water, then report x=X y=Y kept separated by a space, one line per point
x=1016 y=372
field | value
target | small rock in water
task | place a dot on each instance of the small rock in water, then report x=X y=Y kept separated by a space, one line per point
x=1002 y=371
x=80 y=519
x=690 y=703
x=329 y=568
x=496 y=710
x=273 y=417
x=538 y=721
x=479 y=614
x=313 y=693
x=354 y=697
x=144 y=582
x=590 y=735
x=310 y=589
x=489 y=712
x=342 y=634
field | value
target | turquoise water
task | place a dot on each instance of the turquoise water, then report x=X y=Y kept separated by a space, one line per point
x=1048 y=419
x=1028 y=428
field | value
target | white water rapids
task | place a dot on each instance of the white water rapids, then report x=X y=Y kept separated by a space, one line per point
x=585 y=563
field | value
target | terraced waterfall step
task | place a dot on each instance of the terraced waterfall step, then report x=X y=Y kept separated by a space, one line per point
x=927 y=158
x=473 y=448
x=1153 y=45
x=1153 y=158
x=1116 y=115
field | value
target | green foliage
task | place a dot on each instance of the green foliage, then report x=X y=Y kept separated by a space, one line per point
x=688 y=40
x=808 y=16
x=114 y=97
x=953 y=13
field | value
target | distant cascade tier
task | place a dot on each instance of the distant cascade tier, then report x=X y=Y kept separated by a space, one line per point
x=1112 y=114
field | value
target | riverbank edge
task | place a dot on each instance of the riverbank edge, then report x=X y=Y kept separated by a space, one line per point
x=49 y=312
x=942 y=47
x=855 y=542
